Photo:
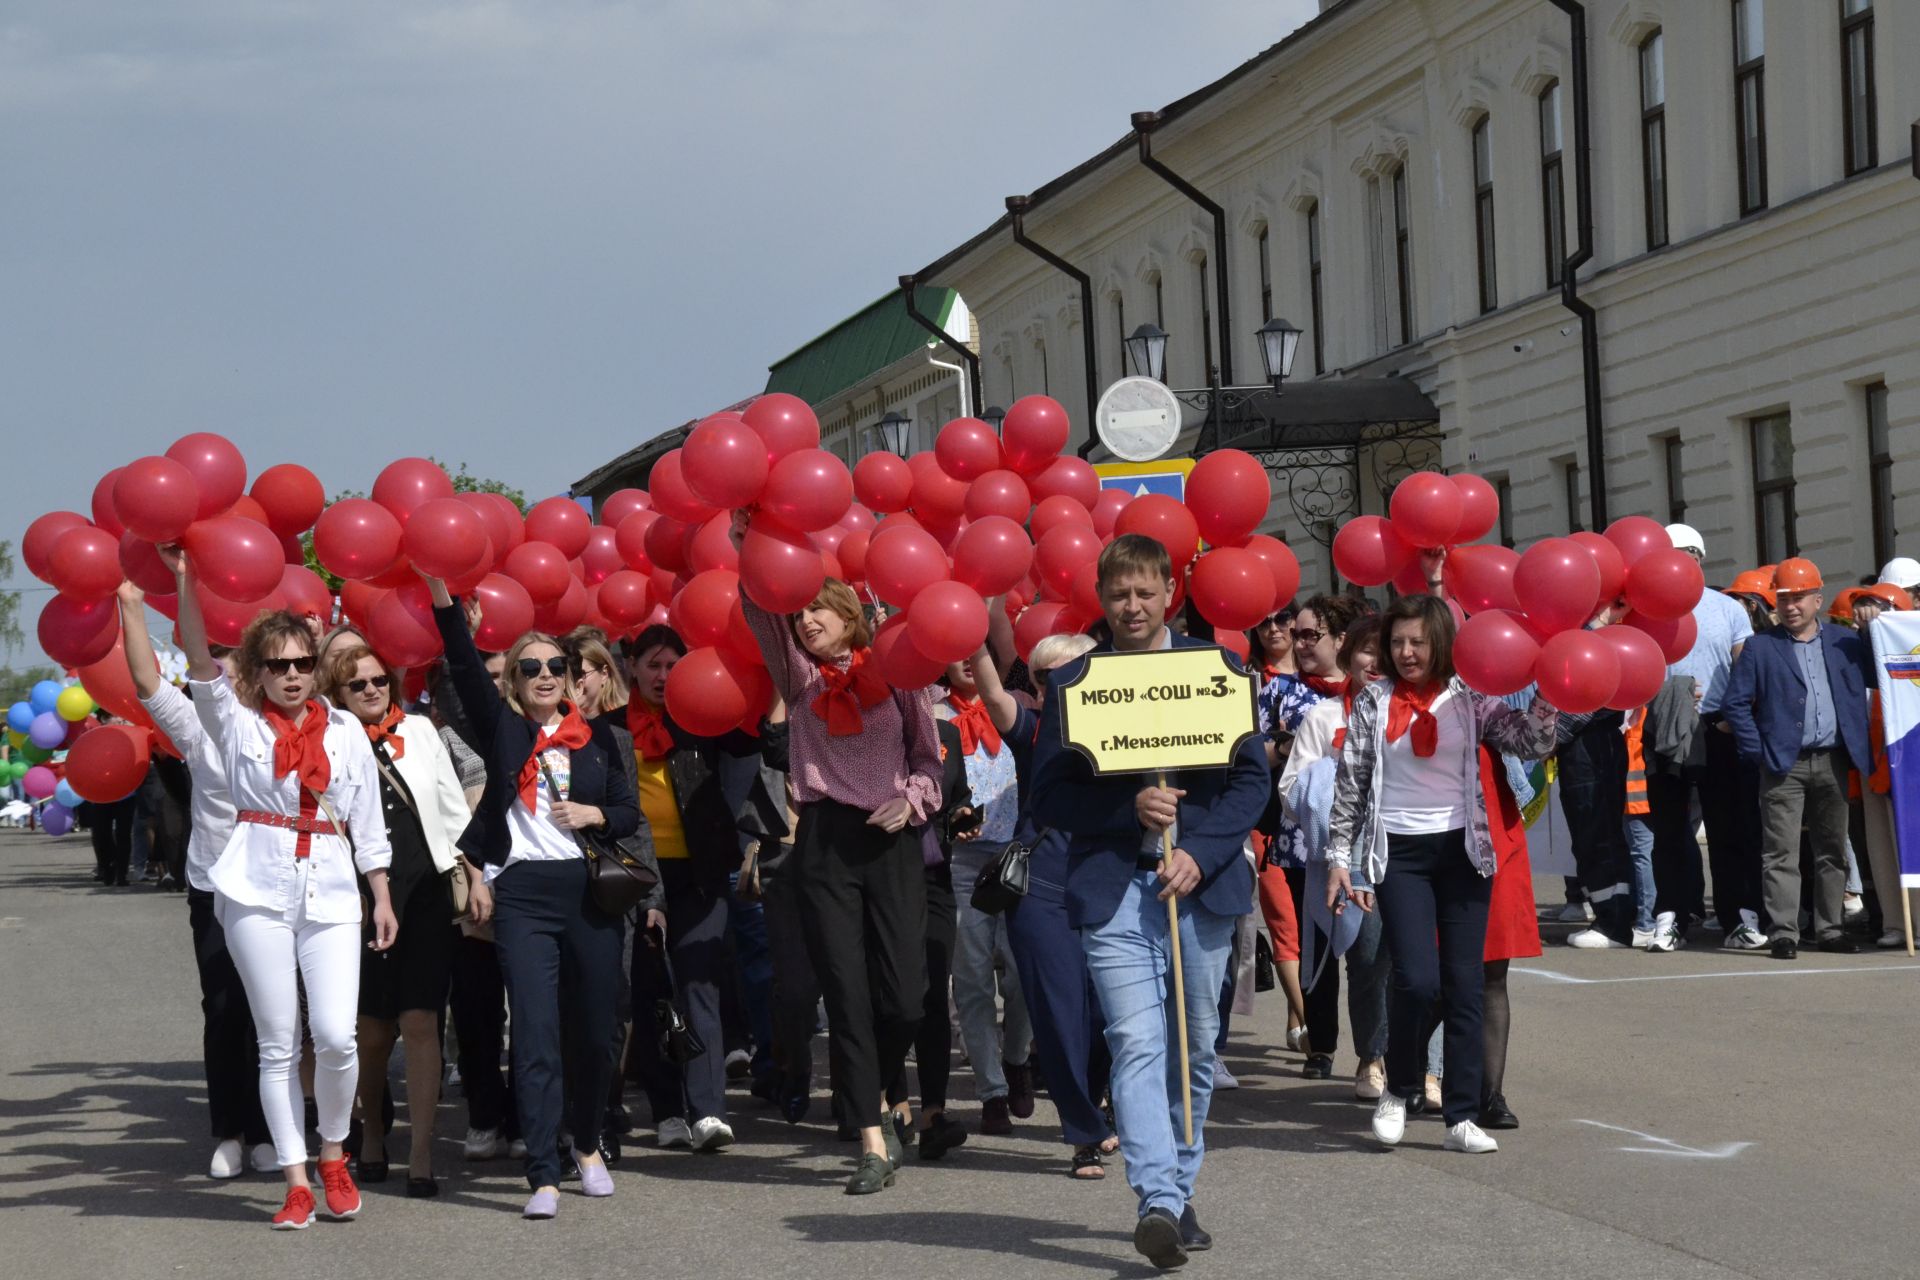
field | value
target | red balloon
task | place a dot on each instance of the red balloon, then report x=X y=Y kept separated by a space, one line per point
x=86 y=563
x=565 y=613
x=77 y=632
x=292 y=551
x=1059 y=511
x=1165 y=521
x=600 y=557
x=1107 y=508
x=1068 y=477
x=630 y=539
x=402 y=629
x=109 y=763
x=724 y=462
x=900 y=659
x=1558 y=582
x=1412 y=578
x=857 y=518
x=251 y=510
x=937 y=495
x=1083 y=595
x=1232 y=587
x=104 y=515
x=1495 y=653
x=506 y=613
x=141 y=565
x=852 y=553
x=620 y=504
x=992 y=555
x=219 y=472
x=407 y=484
x=1426 y=509
x=1643 y=668
x=622 y=597
x=562 y=522
x=708 y=695
x=110 y=684
x=1635 y=536
x=1479 y=508
x=948 y=622
x=1661 y=584
x=397 y=574
x=1613 y=569
x=999 y=493
x=780 y=569
x=226 y=619
x=1060 y=553
x=1481 y=578
x=1235 y=642
x=445 y=538
x=290 y=496
x=967 y=449
x=830 y=538
x=1282 y=564
x=808 y=489
x=541 y=569
x=236 y=558
x=666 y=543
x=36 y=546
x=1033 y=433
x=785 y=422
x=356 y=538
x=156 y=498
x=902 y=561
x=511 y=529
x=711 y=546
x=1577 y=671
x=1035 y=625
x=1675 y=636
x=672 y=496
x=306 y=593
x=1229 y=493
x=702 y=613
x=883 y=482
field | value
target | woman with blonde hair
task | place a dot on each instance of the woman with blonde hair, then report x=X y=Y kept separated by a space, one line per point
x=403 y=990
x=303 y=783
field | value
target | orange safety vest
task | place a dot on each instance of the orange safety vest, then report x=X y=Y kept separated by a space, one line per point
x=1637 y=803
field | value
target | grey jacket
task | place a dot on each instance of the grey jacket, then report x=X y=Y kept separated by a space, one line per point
x=1358 y=784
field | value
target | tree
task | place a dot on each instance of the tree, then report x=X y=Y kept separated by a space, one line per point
x=16 y=685
x=464 y=481
x=10 y=634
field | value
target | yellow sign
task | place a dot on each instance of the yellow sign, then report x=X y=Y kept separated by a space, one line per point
x=1159 y=711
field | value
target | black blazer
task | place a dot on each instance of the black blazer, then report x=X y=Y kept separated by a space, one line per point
x=722 y=799
x=506 y=742
x=955 y=794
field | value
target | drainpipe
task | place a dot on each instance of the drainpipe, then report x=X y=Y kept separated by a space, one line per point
x=1017 y=207
x=1583 y=253
x=1144 y=123
x=960 y=348
x=967 y=407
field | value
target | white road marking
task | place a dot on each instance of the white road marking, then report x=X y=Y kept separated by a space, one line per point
x=1555 y=976
x=1668 y=1147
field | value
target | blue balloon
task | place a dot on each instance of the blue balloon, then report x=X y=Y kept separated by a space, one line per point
x=45 y=696
x=64 y=793
x=56 y=818
x=20 y=716
x=47 y=731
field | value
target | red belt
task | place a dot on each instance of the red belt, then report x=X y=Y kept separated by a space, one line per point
x=305 y=825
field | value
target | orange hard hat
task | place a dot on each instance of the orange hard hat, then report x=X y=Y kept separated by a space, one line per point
x=1797 y=574
x=1753 y=582
x=1842 y=610
x=1894 y=597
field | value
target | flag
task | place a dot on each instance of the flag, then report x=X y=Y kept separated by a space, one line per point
x=1896 y=660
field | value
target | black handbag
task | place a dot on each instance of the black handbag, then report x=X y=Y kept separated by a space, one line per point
x=616 y=878
x=1002 y=882
x=679 y=1044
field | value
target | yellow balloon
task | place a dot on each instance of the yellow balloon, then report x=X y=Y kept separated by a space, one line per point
x=73 y=704
x=16 y=739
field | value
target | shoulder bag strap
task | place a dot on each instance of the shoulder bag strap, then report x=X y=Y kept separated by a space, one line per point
x=394 y=780
x=553 y=794
x=334 y=818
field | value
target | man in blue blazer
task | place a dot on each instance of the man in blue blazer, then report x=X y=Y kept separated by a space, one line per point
x=1797 y=705
x=1117 y=886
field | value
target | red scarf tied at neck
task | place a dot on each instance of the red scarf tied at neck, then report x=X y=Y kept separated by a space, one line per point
x=1326 y=686
x=1413 y=707
x=383 y=731
x=846 y=692
x=975 y=725
x=300 y=749
x=648 y=725
x=571 y=733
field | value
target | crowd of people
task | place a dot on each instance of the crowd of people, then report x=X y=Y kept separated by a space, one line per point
x=363 y=868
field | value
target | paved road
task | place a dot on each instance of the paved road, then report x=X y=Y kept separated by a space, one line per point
x=1695 y=1115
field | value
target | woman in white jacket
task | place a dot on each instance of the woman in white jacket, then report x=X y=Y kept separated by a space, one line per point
x=307 y=804
x=403 y=990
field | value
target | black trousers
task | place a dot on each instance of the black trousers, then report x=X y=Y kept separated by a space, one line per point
x=794 y=994
x=701 y=962
x=227 y=1041
x=933 y=1042
x=863 y=910
x=172 y=816
x=1730 y=807
x=1433 y=908
x=1593 y=792
x=560 y=956
x=479 y=1005
x=111 y=826
x=1323 y=997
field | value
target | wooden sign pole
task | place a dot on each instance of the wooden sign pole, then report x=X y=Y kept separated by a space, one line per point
x=1179 y=977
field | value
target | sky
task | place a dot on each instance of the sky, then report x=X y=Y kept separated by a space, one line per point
x=521 y=234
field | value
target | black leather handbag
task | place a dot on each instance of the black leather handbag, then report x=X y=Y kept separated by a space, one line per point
x=1002 y=882
x=679 y=1044
x=617 y=879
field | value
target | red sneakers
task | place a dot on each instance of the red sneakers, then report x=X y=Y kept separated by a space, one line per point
x=343 y=1198
x=297 y=1213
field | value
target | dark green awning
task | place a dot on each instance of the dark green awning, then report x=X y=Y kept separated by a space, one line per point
x=859 y=346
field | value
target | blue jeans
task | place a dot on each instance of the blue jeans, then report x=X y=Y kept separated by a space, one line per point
x=1129 y=959
x=981 y=938
x=1640 y=853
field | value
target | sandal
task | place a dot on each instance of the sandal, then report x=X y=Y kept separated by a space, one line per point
x=1088 y=1165
x=1109 y=1146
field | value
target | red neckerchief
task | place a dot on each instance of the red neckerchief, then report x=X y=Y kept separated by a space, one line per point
x=1326 y=686
x=648 y=725
x=845 y=692
x=1346 y=714
x=571 y=733
x=383 y=731
x=1269 y=672
x=300 y=749
x=1411 y=707
x=975 y=725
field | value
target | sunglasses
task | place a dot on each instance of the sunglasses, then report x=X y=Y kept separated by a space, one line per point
x=281 y=666
x=360 y=686
x=1277 y=620
x=530 y=667
x=1308 y=636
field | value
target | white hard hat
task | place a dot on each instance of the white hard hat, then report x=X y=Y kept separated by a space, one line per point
x=1901 y=571
x=1686 y=538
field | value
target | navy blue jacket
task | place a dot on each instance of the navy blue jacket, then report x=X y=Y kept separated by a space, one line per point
x=506 y=740
x=1105 y=838
x=1766 y=698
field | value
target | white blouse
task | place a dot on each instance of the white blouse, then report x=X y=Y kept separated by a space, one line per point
x=535 y=838
x=210 y=807
x=1425 y=795
x=257 y=868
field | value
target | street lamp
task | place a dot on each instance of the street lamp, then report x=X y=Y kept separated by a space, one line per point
x=994 y=415
x=1147 y=349
x=894 y=428
x=1278 y=343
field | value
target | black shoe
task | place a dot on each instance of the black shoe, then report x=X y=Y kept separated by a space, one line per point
x=1194 y=1236
x=1495 y=1114
x=619 y=1120
x=422 y=1188
x=370 y=1171
x=1156 y=1237
x=1417 y=1104
x=872 y=1174
x=940 y=1137
x=995 y=1118
x=1840 y=946
x=894 y=1130
x=1019 y=1089
x=796 y=1096
x=610 y=1147
x=767 y=1089
x=1319 y=1067
x=1785 y=949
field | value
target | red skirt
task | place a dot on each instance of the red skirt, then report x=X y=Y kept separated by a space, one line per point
x=1513 y=923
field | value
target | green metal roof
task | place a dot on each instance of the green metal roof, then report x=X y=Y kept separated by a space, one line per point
x=860 y=345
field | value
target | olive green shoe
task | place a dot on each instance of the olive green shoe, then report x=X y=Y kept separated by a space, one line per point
x=871 y=1175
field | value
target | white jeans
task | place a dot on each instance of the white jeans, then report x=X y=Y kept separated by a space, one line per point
x=275 y=952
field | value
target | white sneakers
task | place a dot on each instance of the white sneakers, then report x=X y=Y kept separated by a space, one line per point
x=674 y=1132
x=1470 y=1138
x=1223 y=1078
x=484 y=1144
x=265 y=1158
x=1746 y=935
x=710 y=1133
x=1665 y=935
x=1370 y=1081
x=226 y=1160
x=1593 y=940
x=1890 y=939
x=1390 y=1120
